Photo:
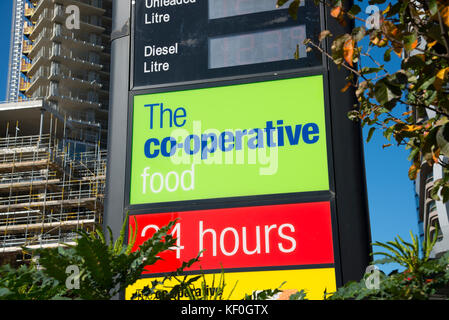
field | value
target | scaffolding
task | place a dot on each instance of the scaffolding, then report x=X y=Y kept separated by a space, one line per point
x=47 y=193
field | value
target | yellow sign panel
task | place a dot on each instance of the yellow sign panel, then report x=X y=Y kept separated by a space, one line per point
x=313 y=281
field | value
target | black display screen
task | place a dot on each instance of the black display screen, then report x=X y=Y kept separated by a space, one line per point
x=256 y=47
x=182 y=41
x=229 y=8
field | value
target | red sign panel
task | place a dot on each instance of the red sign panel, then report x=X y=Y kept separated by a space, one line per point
x=260 y=236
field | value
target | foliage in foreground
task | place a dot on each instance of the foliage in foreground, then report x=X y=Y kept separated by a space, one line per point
x=428 y=281
x=27 y=283
x=185 y=287
x=107 y=267
x=423 y=278
x=103 y=267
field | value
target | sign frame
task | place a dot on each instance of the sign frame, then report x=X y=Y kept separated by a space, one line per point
x=179 y=205
x=347 y=197
x=204 y=82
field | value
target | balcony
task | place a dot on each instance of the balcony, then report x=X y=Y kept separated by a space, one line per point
x=429 y=177
x=43 y=21
x=29 y=12
x=24 y=85
x=75 y=79
x=26 y=47
x=74 y=98
x=22 y=97
x=75 y=59
x=435 y=227
x=88 y=6
x=27 y=30
x=69 y=39
x=41 y=40
x=25 y=66
x=39 y=7
x=39 y=79
x=431 y=206
x=40 y=57
x=90 y=23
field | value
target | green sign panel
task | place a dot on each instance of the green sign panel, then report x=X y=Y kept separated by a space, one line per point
x=241 y=140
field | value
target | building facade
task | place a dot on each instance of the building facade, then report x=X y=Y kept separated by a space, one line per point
x=433 y=215
x=60 y=53
x=54 y=124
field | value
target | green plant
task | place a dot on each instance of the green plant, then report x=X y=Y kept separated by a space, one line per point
x=105 y=267
x=27 y=283
x=423 y=277
x=186 y=286
x=264 y=294
x=300 y=295
x=406 y=254
x=218 y=291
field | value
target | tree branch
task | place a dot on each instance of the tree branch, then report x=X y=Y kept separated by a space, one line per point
x=333 y=60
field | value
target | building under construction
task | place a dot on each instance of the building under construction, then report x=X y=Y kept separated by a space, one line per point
x=65 y=65
x=53 y=130
x=47 y=191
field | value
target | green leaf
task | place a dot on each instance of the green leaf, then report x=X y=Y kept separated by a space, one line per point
x=410 y=40
x=442 y=139
x=300 y=295
x=293 y=9
x=370 y=134
x=413 y=154
x=355 y=10
x=100 y=234
x=280 y=3
x=385 y=93
x=118 y=245
x=387 y=54
x=4 y=292
x=427 y=82
x=433 y=7
x=358 y=33
x=435 y=189
x=368 y=70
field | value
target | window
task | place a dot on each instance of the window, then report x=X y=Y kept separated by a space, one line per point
x=429 y=177
x=431 y=206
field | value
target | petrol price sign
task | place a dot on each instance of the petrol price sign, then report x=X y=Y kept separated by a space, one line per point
x=177 y=41
x=240 y=135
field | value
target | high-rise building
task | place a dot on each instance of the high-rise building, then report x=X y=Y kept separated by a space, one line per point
x=53 y=152
x=17 y=39
x=433 y=215
x=60 y=53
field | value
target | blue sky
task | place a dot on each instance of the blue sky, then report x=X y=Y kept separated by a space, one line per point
x=390 y=193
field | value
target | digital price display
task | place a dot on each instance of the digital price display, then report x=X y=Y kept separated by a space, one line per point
x=188 y=41
x=258 y=47
x=229 y=8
